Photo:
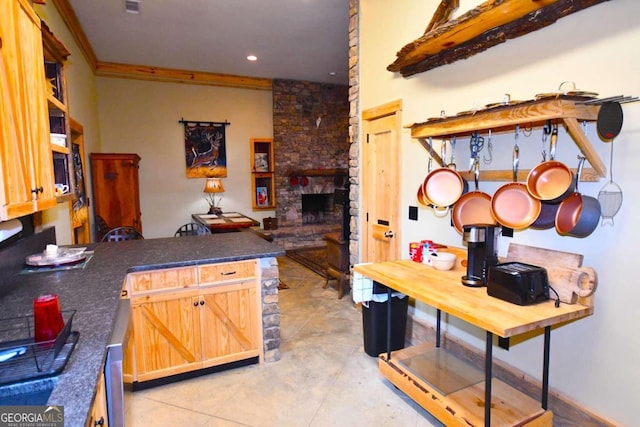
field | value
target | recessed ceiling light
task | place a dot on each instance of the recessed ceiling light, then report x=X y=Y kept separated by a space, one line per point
x=252 y=58
x=332 y=73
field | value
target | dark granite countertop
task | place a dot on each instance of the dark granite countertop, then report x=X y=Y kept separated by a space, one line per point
x=94 y=292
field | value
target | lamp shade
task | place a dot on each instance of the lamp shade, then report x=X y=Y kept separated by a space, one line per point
x=213 y=185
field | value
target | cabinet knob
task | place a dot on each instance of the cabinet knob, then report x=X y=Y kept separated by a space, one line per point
x=202 y=302
x=37 y=190
x=195 y=304
x=100 y=422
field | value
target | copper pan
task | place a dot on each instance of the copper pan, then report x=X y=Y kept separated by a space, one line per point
x=512 y=205
x=551 y=180
x=473 y=207
x=578 y=215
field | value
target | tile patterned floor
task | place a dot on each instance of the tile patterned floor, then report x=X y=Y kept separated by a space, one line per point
x=324 y=377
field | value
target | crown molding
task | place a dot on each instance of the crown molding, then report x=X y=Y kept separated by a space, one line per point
x=144 y=72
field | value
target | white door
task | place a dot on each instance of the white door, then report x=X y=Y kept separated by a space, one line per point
x=380 y=185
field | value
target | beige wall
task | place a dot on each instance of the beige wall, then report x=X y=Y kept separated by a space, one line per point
x=120 y=115
x=142 y=117
x=593 y=360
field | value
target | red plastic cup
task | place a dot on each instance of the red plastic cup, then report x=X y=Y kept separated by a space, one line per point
x=47 y=317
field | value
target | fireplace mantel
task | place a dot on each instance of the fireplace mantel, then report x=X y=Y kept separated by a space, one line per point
x=317 y=172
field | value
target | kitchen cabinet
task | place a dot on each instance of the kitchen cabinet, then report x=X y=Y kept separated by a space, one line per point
x=262 y=174
x=453 y=390
x=55 y=57
x=98 y=414
x=568 y=110
x=190 y=318
x=116 y=193
x=26 y=162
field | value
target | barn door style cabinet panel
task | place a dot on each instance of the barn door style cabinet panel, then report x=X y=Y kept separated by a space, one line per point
x=26 y=161
x=190 y=318
x=116 y=193
x=262 y=174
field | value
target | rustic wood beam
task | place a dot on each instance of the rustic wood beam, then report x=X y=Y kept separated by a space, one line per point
x=491 y=23
x=442 y=14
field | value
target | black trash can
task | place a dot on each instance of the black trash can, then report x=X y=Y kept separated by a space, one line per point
x=374 y=322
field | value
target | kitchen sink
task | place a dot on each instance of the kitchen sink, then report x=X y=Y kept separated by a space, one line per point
x=28 y=392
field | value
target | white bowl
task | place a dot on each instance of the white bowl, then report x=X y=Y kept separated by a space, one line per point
x=442 y=260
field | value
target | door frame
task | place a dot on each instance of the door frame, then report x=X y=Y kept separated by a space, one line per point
x=369 y=115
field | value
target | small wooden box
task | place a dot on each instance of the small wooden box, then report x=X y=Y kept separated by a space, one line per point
x=270 y=223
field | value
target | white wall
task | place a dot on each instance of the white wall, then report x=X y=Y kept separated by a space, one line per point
x=594 y=360
x=142 y=117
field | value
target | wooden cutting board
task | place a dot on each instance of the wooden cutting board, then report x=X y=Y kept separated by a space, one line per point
x=543 y=257
x=565 y=271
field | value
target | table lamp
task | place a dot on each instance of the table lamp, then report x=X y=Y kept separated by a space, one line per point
x=211 y=187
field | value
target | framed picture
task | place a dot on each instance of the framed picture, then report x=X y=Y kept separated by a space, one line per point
x=262 y=196
x=261 y=162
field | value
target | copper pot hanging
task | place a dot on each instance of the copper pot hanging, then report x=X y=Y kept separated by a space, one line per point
x=578 y=215
x=473 y=207
x=443 y=186
x=551 y=181
x=512 y=205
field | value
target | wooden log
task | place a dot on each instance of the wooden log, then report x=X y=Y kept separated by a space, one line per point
x=442 y=14
x=443 y=45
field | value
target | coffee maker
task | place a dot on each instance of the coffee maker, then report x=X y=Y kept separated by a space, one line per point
x=482 y=245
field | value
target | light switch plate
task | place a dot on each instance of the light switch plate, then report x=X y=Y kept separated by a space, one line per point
x=413 y=213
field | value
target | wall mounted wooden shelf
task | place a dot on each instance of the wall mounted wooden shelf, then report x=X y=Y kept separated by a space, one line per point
x=532 y=114
x=491 y=23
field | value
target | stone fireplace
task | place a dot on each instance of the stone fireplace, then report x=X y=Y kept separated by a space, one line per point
x=311 y=155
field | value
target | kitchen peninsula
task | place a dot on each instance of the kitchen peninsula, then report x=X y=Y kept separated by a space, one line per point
x=95 y=290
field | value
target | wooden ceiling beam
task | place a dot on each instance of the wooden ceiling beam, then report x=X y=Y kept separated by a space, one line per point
x=143 y=72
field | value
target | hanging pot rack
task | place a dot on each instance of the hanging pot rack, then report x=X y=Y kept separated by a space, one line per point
x=568 y=110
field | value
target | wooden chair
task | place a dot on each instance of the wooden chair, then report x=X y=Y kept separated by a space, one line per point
x=192 y=229
x=122 y=233
x=102 y=227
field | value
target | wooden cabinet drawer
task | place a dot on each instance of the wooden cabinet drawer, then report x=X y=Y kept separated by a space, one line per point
x=227 y=272
x=162 y=280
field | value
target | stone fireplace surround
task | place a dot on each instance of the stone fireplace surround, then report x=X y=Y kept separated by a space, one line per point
x=305 y=147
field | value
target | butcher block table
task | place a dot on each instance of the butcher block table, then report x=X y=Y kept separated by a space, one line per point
x=452 y=390
x=226 y=221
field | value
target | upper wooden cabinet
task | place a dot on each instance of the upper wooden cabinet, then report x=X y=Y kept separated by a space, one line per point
x=26 y=161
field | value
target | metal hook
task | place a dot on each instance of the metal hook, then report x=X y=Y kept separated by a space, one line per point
x=488 y=159
x=430 y=155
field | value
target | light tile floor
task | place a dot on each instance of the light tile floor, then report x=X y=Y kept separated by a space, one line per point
x=324 y=377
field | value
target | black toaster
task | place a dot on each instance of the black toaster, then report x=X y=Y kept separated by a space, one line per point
x=518 y=283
